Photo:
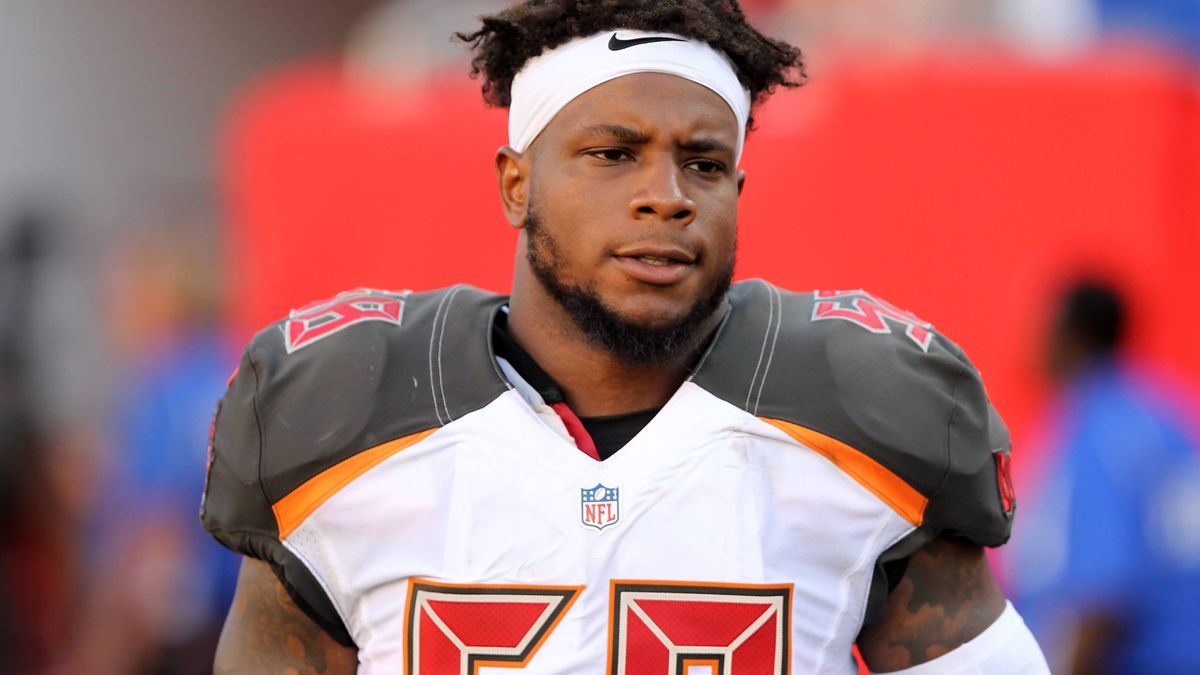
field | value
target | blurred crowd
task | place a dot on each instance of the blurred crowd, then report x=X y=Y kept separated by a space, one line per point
x=101 y=566
x=108 y=386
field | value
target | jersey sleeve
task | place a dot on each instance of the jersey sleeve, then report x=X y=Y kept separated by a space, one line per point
x=235 y=509
x=908 y=397
x=975 y=499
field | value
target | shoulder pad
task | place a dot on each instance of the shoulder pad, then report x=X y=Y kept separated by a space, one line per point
x=847 y=368
x=333 y=379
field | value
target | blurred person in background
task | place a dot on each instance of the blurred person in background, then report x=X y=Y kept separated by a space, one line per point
x=158 y=587
x=1106 y=562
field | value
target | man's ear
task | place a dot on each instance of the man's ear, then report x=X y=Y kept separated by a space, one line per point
x=512 y=173
x=741 y=175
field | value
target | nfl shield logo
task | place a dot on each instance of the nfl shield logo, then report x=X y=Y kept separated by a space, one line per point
x=600 y=506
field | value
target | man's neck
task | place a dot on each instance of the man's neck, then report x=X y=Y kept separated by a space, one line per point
x=594 y=381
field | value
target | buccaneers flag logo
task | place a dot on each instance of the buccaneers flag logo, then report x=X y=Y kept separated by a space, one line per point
x=322 y=319
x=870 y=312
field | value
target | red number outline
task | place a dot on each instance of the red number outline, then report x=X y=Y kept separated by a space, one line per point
x=619 y=586
x=417 y=586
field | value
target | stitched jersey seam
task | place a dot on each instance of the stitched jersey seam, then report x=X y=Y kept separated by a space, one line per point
x=762 y=385
x=866 y=601
x=762 y=350
x=949 y=425
x=432 y=338
x=441 y=339
x=329 y=595
x=262 y=485
x=844 y=590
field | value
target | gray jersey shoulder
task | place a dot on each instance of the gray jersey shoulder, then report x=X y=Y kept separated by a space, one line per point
x=332 y=380
x=857 y=369
x=310 y=403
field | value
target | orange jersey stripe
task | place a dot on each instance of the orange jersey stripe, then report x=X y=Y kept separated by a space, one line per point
x=902 y=497
x=299 y=503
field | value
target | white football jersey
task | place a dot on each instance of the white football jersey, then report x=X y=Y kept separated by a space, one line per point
x=421 y=502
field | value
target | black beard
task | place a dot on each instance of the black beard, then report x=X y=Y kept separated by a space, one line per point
x=631 y=343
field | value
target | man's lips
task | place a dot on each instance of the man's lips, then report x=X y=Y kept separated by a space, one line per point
x=660 y=265
x=667 y=253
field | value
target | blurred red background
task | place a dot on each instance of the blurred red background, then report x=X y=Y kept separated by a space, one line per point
x=968 y=191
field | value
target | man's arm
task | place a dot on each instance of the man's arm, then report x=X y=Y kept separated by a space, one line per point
x=947 y=597
x=266 y=632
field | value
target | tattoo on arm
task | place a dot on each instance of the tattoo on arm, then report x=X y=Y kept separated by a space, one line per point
x=947 y=597
x=266 y=632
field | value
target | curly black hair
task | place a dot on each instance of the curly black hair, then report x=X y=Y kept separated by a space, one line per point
x=510 y=38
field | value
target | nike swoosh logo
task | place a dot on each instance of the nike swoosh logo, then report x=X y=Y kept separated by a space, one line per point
x=616 y=44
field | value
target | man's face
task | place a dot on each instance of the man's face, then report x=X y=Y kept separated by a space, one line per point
x=633 y=203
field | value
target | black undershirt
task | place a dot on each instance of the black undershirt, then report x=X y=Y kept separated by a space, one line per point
x=609 y=432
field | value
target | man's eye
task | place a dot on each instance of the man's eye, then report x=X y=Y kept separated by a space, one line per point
x=706 y=166
x=610 y=154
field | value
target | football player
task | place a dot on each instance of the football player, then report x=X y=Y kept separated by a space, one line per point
x=629 y=465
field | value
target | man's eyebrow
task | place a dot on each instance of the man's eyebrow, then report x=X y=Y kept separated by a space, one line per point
x=633 y=136
x=618 y=132
x=706 y=145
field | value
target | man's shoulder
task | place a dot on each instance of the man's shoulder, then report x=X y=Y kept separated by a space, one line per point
x=822 y=314
x=344 y=375
x=847 y=343
x=363 y=350
x=851 y=369
x=346 y=322
x=316 y=391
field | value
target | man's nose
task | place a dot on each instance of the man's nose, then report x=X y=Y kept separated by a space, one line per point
x=661 y=195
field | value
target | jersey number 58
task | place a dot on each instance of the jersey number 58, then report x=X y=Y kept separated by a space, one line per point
x=654 y=627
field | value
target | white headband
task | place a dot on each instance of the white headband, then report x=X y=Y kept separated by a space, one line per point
x=547 y=83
